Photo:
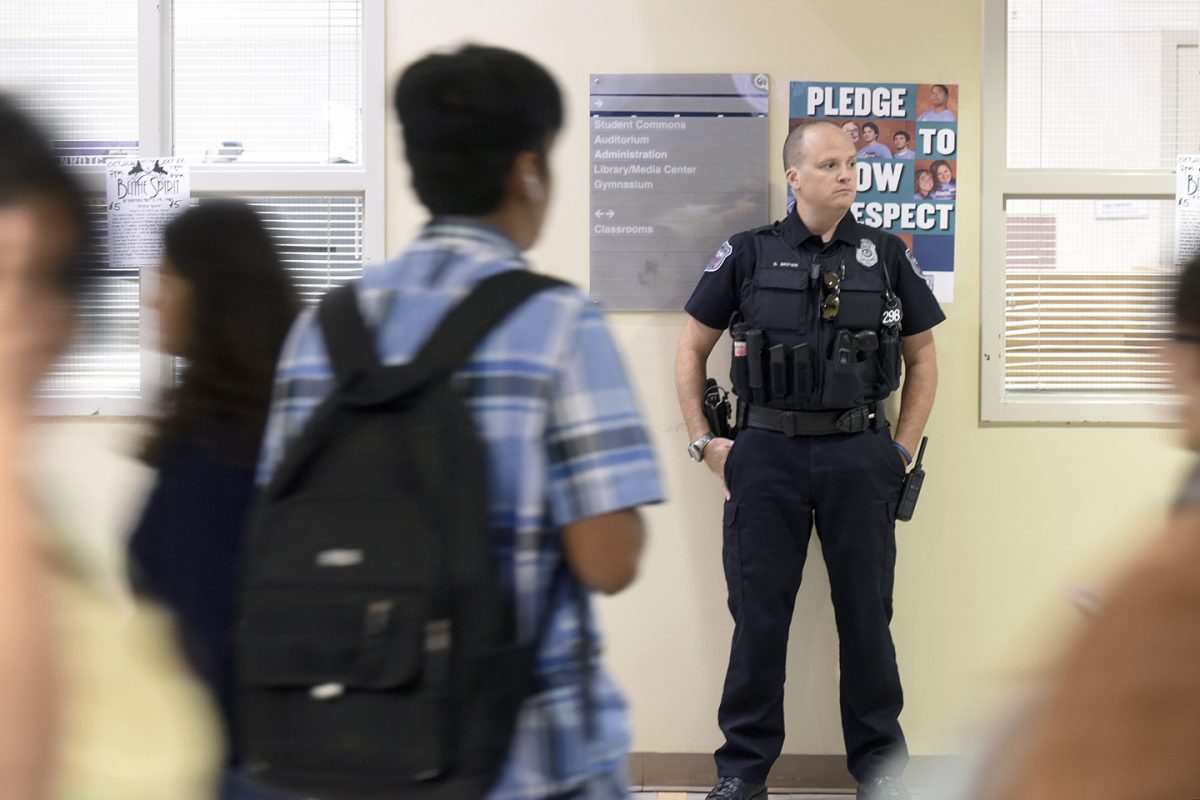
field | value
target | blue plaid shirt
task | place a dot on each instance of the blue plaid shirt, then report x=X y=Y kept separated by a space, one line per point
x=566 y=441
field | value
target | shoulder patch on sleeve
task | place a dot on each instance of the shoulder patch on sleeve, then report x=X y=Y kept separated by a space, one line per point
x=719 y=257
x=915 y=265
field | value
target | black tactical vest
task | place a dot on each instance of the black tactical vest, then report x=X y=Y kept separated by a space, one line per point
x=787 y=356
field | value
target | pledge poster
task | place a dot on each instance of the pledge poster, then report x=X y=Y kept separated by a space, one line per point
x=907 y=140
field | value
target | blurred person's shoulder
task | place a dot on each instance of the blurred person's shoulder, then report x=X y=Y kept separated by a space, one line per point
x=1189 y=493
x=1165 y=579
x=1176 y=554
x=1179 y=549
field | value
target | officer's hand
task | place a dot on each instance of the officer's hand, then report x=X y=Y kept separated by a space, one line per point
x=715 y=453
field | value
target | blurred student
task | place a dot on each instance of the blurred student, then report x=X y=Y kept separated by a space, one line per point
x=41 y=228
x=224 y=305
x=570 y=458
x=127 y=721
x=1121 y=719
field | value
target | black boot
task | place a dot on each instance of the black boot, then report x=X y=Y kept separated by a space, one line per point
x=884 y=787
x=737 y=789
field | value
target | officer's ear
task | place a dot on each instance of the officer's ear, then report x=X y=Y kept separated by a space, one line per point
x=792 y=175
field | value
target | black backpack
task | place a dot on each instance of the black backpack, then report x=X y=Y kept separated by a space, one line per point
x=376 y=650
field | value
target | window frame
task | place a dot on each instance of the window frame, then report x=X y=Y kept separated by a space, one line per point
x=1001 y=184
x=365 y=179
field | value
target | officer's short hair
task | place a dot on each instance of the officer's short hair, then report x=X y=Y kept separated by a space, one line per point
x=465 y=116
x=793 y=145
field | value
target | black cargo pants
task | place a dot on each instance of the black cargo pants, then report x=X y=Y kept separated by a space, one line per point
x=849 y=484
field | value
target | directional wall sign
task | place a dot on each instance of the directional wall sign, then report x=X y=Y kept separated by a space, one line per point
x=679 y=163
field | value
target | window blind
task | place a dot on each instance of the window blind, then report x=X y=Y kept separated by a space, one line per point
x=1101 y=85
x=267 y=81
x=104 y=357
x=74 y=64
x=1087 y=297
x=320 y=238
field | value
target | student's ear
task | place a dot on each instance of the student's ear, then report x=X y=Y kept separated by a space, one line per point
x=533 y=188
x=529 y=175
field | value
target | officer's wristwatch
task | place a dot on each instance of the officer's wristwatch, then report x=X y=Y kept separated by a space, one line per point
x=696 y=448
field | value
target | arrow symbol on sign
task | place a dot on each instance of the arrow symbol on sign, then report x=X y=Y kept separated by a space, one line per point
x=610 y=213
x=598 y=104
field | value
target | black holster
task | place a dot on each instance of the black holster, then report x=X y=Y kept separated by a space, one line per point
x=717 y=410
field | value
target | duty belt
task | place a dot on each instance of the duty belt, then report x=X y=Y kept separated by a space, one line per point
x=812 y=423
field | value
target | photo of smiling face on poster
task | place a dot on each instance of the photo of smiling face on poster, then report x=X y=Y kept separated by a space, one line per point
x=869 y=145
x=923 y=184
x=943 y=178
x=937 y=102
x=901 y=141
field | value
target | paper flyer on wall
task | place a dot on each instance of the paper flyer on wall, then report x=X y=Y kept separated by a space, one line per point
x=907 y=139
x=143 y=194
x=1187 y=207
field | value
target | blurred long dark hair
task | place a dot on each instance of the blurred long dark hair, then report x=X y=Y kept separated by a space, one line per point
x=241 y=305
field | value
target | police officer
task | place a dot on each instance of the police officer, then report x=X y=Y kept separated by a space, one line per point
x=823 y=311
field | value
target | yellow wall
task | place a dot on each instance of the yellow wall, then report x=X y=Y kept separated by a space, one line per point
x=1012 y=515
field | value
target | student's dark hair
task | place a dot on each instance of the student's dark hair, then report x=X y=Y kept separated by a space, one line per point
x=872 y=126
x=903 y=133
x=465 y=116
x=1187 y=297
x=943 y=87
x=241 y=305
x=29 y=169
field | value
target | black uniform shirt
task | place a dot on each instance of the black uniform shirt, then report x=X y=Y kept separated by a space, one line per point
x=717 y=295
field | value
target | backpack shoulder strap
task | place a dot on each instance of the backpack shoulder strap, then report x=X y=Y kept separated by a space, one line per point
x=468 y=323
x=362 y=378
x=348 y=340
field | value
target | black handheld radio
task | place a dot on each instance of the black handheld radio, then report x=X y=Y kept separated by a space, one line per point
x=911 y=490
